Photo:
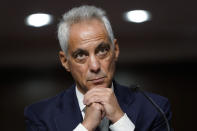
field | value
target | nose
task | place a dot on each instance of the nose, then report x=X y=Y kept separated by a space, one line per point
x=94 y=64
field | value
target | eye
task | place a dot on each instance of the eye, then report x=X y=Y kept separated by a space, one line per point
x=102 y=51
x=80 y=56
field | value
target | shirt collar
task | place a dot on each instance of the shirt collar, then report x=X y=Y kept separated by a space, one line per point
x=80 y=97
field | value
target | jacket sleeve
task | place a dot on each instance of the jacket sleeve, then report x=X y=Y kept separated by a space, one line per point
x=33 y=123
x=160 y=124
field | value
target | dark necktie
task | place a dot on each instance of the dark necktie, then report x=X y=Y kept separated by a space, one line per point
x=104 y=125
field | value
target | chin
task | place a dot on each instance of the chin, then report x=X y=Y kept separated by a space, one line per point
x=97 y=85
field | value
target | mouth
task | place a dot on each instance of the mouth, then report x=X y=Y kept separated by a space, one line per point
x=97 y=80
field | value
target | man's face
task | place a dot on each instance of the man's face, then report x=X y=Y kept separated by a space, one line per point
x=91 y=57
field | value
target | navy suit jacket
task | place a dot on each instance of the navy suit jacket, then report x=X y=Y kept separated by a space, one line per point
x=62 y=112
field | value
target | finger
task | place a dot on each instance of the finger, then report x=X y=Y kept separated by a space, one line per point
x=102 y=110
x=96 y=92
x=101 y=98
x=89 y=98
x=103 y=114
x=98 y=97
x=94 y=99
x=98 y=106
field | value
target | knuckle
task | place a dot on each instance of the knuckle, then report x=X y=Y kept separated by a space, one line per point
x=106 y=99
x=86 y=101
x=110 y=91
x=96 y=106
x=94 y=98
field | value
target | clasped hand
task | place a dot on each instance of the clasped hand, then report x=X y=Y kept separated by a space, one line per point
x=100 y=102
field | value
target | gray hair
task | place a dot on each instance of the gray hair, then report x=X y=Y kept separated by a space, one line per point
x=77 y=15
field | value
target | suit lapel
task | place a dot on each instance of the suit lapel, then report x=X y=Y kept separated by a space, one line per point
x=123 y=95
x=69 y=114
x=125 y=99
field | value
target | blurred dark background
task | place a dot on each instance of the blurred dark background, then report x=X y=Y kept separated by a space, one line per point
x=159 y=55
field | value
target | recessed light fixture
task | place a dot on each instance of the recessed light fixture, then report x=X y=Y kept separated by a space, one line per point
x=137 y=16
x=38 y=20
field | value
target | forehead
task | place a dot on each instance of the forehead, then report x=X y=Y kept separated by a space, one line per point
x=87 y=33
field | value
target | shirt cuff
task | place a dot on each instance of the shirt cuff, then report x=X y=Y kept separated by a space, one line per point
x=80 y=127
x=123 y=124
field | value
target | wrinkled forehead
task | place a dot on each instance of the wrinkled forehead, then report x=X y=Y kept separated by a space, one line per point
x=87 y=24
x=87 y=30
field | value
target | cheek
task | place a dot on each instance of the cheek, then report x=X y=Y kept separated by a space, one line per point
x=78 y=71
x=109 y=65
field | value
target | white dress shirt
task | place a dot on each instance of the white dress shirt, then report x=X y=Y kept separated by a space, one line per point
x=123 y=124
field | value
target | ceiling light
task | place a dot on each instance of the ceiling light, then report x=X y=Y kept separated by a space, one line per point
x=137 y=16
x=38 y=20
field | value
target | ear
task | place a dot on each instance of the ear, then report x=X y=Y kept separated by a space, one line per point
x=64 y=60
x=116 y=49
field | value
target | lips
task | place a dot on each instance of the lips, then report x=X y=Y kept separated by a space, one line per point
x=97 y=80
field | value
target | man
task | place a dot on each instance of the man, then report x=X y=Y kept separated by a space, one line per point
x=95 y=102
